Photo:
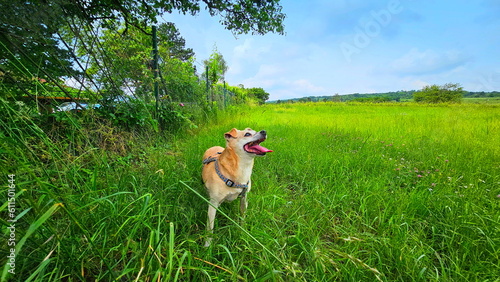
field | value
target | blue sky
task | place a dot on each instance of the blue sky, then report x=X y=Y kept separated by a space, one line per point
x=358 y=46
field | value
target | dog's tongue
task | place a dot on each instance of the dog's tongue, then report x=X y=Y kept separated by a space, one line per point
x=259 y=148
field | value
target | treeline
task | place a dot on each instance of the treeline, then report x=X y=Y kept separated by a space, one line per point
x=482 y=94
x=387 y=96
x=398 y=96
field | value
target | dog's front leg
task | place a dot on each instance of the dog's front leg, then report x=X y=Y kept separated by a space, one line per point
x=212 y=210
x=244 y=201
x=243 y=205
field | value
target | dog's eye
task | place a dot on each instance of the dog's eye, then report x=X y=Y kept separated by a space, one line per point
x=248 y=134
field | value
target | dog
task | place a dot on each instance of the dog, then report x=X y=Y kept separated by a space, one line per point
x=226 y=171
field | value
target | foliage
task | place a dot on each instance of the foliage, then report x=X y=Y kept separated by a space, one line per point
x=29 y=45
x=135 y=115
x=38 y=39
x=126 y=57
x=241 y=16
x=129 y=115
x=28 y=29
x=180 y=82
x=174 y=117
x=448 y=93
x=240 y=94
x=215 y=68
x=129 y=71
x=259 y=94
x=238 y=15
x=169 y=36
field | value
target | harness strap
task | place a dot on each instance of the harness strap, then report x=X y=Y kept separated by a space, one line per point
x=210 y=159
x=229 y=182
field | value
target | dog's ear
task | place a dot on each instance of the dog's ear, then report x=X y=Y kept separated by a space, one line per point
x=231 y=134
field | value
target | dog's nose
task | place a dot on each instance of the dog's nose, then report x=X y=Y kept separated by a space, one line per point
x=263 y=132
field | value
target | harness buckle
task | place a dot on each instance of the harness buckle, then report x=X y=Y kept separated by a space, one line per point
x=229 y=183
x=243 y=193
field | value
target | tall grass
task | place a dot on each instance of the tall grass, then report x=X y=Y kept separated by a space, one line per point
x=390 y=192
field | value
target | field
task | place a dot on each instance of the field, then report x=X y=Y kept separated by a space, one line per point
x=491 y=100
x=352 y=192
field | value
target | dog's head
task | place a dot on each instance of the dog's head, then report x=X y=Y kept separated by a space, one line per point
x=247 y=142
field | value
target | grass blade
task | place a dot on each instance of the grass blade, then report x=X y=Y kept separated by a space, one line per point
x=33 y=227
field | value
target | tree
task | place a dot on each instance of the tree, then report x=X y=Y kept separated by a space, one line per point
x=258 y=93
x=448 y=93
x=29 y=49
x=336 y=98
x=169 y=35
x=216 y=67
x=127 y=56
x=240 y=16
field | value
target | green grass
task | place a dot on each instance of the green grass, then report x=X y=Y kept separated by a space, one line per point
x=489 y=100
x=352 y=192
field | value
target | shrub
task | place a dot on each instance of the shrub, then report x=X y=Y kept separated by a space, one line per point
x=448 y=93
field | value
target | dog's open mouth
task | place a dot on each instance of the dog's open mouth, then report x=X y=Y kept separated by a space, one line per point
x=254 y=147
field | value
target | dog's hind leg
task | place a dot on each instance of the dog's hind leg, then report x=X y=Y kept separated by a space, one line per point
x=212 y=210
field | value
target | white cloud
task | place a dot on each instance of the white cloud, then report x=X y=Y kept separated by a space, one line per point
x=428 y=61
x=247 y=53
x=306 y=87
x=244 y=49
x=267 y=76
x=278 y=81
x=485 y=81
x=418 y=83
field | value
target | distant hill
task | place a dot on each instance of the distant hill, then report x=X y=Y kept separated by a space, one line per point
x=398 y=96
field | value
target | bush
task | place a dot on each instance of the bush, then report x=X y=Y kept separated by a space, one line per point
x=448 y=93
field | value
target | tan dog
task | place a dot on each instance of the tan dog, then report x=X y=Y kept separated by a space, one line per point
x=226 y=172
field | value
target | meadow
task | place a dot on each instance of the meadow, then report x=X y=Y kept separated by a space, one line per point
x=352 y=192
